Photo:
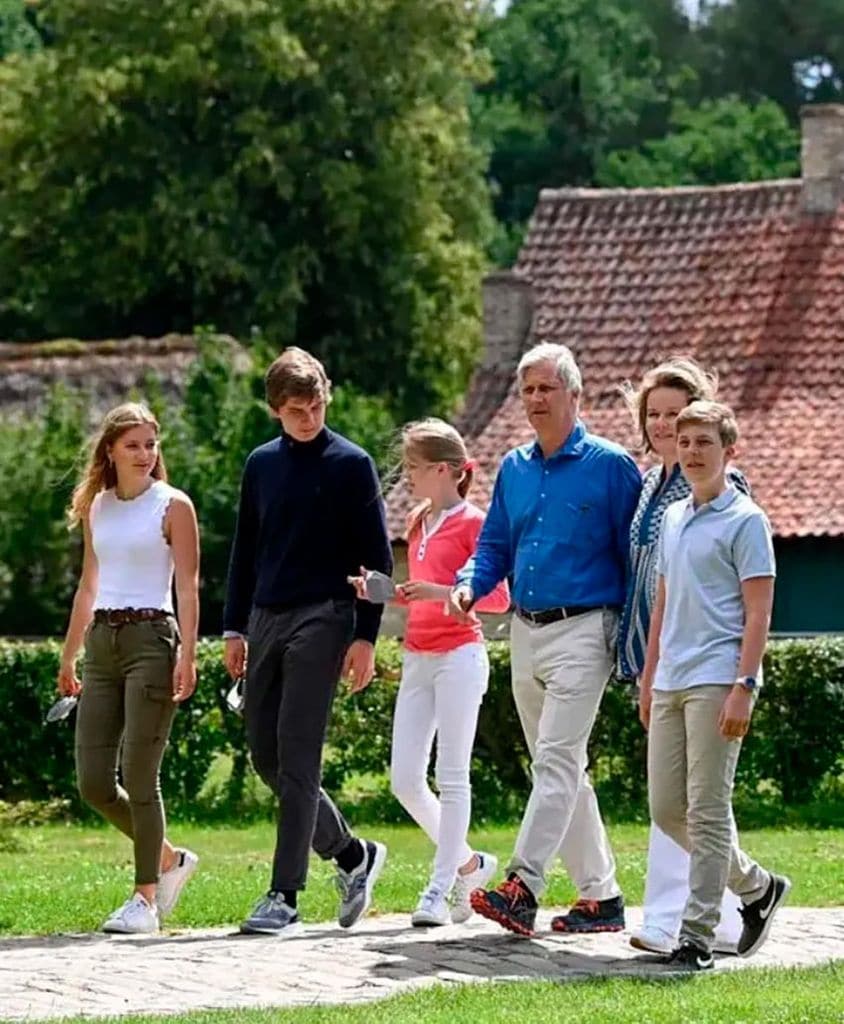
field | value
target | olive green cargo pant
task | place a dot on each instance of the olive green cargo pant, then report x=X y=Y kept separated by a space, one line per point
x=124 y=716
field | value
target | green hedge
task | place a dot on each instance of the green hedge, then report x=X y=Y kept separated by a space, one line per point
x=794 y=749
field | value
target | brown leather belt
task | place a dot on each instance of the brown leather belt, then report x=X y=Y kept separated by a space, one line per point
x=124 y=616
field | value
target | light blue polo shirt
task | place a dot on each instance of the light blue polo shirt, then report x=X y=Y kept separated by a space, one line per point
x=704 y=555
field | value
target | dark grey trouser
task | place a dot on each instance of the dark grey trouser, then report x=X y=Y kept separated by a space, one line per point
x=294 y=665
x=126 y=711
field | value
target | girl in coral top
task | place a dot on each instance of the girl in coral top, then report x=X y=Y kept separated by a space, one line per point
x=445 y=669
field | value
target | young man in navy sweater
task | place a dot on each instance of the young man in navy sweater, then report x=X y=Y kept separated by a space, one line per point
x=310 y=515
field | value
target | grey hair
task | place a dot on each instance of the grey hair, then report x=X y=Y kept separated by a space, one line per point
x=561 y=356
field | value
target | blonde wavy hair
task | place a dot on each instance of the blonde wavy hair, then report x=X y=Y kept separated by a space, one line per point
x=99 y=473
x=434 y=440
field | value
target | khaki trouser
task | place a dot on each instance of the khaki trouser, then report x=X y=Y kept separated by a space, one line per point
x=559 y=675
x=125 y=713
x=690 y=785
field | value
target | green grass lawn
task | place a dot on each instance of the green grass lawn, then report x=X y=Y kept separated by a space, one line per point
x=814 y=996
x=69 y=877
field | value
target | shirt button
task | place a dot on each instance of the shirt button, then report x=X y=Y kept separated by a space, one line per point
x=541 y=495
x=530 y=593
x=540 y=519
x=531 y=568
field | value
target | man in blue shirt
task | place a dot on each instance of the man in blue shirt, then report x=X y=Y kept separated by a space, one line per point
x=559 y=524
x=310 y=515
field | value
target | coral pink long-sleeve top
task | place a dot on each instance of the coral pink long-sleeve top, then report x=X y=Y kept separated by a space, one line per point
x=436 y=551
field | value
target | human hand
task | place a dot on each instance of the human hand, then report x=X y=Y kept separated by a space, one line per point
x=359 y=665
x=234 y=656
x=734 y=719
x=359 y=583
x=184 y=678
x=645 y=702
x=67 y=680
x=459 y=602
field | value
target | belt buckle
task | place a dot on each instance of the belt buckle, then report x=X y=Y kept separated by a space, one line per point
x=113 y=617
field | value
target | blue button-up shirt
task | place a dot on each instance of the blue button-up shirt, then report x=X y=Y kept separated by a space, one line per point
x=560 y=526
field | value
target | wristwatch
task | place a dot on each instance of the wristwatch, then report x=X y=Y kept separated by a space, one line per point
x=748 y=682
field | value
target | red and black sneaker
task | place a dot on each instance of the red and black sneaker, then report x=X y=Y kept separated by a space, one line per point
x=592 y=916
x=512 y=905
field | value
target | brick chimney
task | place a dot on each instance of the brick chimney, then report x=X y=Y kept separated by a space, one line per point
x=822 y=157
x=508 y=315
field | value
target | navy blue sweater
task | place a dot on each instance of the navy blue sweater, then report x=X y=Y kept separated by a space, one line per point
x=310 y=515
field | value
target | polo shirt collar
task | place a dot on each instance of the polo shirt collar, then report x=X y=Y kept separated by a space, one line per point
x=717 y=504
x=573 y=445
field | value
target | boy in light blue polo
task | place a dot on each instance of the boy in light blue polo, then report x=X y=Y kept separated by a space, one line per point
x=702 y=672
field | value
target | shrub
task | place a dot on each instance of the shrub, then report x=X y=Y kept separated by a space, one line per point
x=793 y=750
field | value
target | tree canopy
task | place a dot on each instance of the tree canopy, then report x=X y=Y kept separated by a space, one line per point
x=305 y=167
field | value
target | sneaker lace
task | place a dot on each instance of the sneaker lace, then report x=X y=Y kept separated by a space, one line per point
x=512 y=890
x=591 y=908
x=349 y=885
x=429 y=897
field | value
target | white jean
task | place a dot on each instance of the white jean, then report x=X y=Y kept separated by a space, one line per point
x=667 y=890
x=439 y=694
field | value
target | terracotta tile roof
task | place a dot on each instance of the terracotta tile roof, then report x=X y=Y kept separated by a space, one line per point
x=736 y=276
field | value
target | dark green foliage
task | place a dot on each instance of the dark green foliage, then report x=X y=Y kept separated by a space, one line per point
x=719 y=141
x=17 y=33
x=39 y=559
x=306 y=167
x=792 y=756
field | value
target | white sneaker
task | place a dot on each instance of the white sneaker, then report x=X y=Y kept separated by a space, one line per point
x=135 y=917
x=171 y=882
x=653 y=940
x=461 y=910
x=431 y=910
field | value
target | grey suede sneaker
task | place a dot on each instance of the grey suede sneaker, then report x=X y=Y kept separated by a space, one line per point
x=272 y=916
x=355 y=886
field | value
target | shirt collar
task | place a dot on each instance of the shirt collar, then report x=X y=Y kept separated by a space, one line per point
x=718 y=503
x=573 y=445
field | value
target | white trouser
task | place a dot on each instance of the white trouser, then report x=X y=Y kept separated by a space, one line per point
x=559 y=674
x=667 y=890
x=439 y=694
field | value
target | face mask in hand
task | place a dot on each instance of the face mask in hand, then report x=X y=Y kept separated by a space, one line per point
x=61 y=709
x=379 y=587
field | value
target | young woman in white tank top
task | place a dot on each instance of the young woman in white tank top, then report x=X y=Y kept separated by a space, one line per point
x=140 y=663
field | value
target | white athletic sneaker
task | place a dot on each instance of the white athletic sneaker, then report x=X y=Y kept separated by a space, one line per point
x=464 y=884
x=653 y=940
x=135 y=917
x=171 y=882
x=431 y=909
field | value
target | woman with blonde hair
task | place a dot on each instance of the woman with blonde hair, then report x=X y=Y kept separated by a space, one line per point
x=445 y=669
x=140 y=663
x=660 y=397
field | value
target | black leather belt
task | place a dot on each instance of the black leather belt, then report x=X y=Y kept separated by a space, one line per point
x=549 y=615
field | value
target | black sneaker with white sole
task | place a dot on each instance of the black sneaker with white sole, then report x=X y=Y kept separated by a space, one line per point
x=757 y=916
x=690 y=958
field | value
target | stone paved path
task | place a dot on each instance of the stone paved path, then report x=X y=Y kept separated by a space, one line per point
x=98 y=975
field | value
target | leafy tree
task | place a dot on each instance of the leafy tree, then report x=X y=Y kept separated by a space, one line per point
x=572 y=81
x=792 y=53
x=719 y=141
x=307 y=167
x=17 y=34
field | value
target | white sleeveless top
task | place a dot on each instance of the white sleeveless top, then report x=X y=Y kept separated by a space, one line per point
x=135 y=561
